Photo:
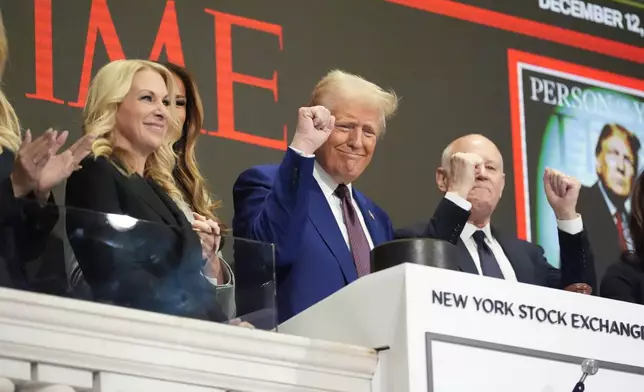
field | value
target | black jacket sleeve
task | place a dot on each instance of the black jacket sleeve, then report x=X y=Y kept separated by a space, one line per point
x=446 y=224
x=577 y=263
x=9 y=206
x=26 y=228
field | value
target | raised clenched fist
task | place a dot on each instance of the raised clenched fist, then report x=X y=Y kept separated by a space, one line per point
x=314 y=125
x=462 y=172
x=562 y=192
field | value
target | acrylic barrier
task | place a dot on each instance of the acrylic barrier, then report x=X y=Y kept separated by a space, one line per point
x=118 y=260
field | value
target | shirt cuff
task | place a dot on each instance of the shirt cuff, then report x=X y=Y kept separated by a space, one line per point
x=572 y=226
x=302 y=153
x=459 y=201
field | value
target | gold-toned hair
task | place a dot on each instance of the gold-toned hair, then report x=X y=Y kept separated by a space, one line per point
x=339 y=85
x=106 y=92
x=9 y=124
x=186 y=173
x=4 y=46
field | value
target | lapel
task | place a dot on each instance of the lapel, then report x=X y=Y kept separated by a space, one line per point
x=518 y=257
x=147 y=193
x=326 y=225
x=191 y=256
x=177 y=214
x=465 y=261
x=376 y=231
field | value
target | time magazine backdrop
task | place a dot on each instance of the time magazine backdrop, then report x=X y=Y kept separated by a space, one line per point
x=257 y=60
x=563 y=108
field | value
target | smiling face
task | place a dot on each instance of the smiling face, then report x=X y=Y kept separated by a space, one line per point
x=350 y=147
x=142 y=117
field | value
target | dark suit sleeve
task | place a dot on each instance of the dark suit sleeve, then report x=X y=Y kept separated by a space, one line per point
x=9 y=206
x=35 y=226
x=93 y=188
x=621 y=282
x=105 y=256
x=10 y=211
x=274 y=208
x=30 y=223
x=40 y=246
x=447 y=223
x=391 y=234
x=576 y=259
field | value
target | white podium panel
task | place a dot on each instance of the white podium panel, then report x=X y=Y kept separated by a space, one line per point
x=50 y=344
x=464 y=365
x=393 y=311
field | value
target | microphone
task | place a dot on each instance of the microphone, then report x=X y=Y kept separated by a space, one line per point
x=589 y=367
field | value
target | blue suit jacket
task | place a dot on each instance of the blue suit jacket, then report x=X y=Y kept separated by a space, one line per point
x=283 y=204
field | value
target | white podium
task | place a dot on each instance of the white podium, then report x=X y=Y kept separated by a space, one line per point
x=51 y=344
x=446 y=331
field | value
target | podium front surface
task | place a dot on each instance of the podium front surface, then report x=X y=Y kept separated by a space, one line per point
x=439 y=330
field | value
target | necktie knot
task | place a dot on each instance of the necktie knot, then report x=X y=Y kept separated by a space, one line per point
x=342 y=191
x=479 y=237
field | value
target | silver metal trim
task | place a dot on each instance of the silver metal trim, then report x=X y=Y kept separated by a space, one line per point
x=431 y=337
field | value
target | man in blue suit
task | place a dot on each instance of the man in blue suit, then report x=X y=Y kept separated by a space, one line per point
x=322 y=227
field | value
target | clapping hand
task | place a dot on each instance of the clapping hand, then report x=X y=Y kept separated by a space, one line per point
x=60 y=167
x=37 y=166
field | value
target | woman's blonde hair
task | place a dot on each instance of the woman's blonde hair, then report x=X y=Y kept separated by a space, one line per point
x=187 y=174
x=4 y=46
x=9 y=124
x=107 y=91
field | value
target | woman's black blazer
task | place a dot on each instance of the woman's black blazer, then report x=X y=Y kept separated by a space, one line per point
x=154 y=265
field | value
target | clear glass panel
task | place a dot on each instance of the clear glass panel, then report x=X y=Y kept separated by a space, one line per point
x=122 y=261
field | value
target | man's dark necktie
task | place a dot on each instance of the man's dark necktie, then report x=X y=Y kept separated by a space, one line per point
x=489 y=265
x=359 y=245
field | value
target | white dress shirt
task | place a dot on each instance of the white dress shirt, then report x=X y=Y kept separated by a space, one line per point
x=328 y=187
x=572 y=227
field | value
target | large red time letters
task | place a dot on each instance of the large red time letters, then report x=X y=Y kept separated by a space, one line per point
x=100 y=22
